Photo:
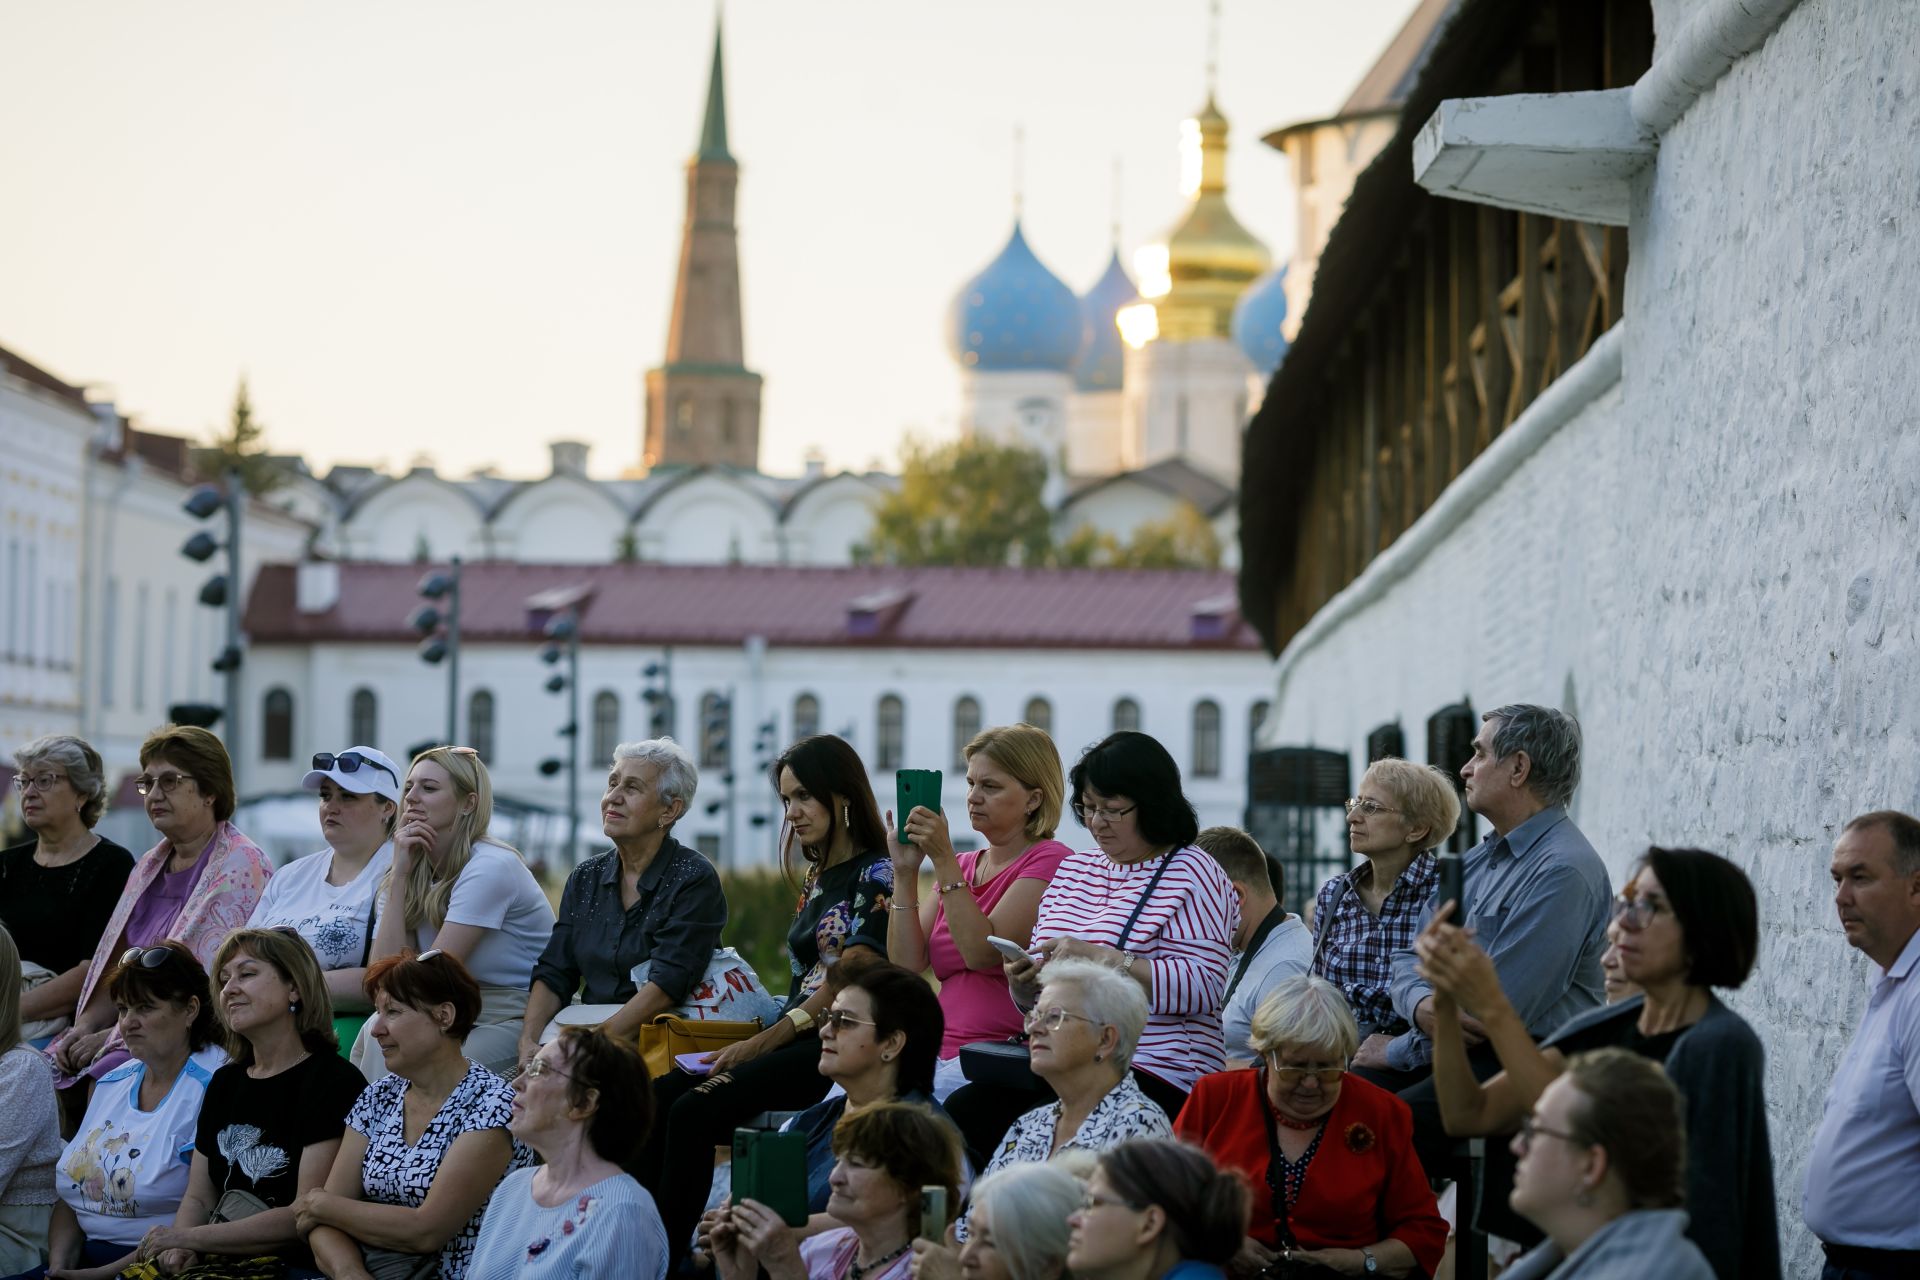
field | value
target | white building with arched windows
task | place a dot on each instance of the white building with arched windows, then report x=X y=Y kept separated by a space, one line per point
x=907 y=664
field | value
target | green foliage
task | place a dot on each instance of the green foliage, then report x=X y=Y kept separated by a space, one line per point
x=1184 y=540
x=972 y=501
x=243 y=447
x=760 y=907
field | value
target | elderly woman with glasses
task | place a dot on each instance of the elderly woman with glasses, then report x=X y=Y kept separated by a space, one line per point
x=1599 y=1173
x=331 y=897
x=1338 y=1187
x=1156 y=1210
x=1145 y=903
x=58 y=890
x=198 y=885
x=1687 y=922
x=1082 y=1032
x=126 y=1169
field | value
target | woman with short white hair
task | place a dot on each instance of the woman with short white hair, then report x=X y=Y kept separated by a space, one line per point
x=1344 y=1193
x=1082 y=1033
x=649 y=900
x=1018 y=1228
x=58 y=890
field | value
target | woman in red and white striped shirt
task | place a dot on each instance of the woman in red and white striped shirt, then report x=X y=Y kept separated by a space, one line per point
x=1147 y=903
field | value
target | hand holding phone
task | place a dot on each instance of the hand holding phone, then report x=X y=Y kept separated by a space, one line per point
x=1008 y=948
x=914 y=787
x=694 y=1064
x=933 y=1213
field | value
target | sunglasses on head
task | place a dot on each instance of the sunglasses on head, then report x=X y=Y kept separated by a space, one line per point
x=145 y=957
x=349 y=762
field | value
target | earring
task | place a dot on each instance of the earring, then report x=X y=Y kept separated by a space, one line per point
x=293 y=1007
x=886 y=1057
x=1099 y=1057
x=846 y=815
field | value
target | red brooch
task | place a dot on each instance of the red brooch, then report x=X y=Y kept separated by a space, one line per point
x=1359 y=1139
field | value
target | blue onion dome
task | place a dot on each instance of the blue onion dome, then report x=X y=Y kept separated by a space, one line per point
x=1257 y=318
x=1015 y=315
x=1102 y=354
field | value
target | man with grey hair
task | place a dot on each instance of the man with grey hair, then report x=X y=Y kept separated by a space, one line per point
x=1538 y=901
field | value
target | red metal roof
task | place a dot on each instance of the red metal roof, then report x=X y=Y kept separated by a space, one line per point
x=656 y=604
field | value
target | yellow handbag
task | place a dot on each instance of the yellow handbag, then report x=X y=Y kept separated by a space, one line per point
x=670 y=1035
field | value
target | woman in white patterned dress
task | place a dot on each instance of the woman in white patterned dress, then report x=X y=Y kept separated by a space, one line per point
x=426 y=1144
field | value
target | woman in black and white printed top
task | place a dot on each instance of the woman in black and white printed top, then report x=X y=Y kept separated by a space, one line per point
x=426 y=1144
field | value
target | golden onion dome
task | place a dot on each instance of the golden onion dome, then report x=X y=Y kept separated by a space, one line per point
x=1210 y=258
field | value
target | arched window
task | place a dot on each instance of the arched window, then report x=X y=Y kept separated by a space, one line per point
x=1126 y=715
x=480 y=724
x=606 y=727
x=1256 y=721
x=806 y=716
x=276 y=725
x=966 y=724
x=716 y=730
x=1039 y=714
x=1206 y=739
x=891 y=748
x=363 y=717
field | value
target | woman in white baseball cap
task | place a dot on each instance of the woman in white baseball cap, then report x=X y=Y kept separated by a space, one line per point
x=330 y=898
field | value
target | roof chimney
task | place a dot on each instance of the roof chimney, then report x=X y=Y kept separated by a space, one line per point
x=816 y=464
x=569 y=457
x=316 y=586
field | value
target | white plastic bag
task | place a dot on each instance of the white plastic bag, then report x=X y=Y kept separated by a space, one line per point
x=729 y=991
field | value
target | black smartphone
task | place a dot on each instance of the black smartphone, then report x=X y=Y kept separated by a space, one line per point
x=914 y=787
x=1453 y=887
x=772 y=1168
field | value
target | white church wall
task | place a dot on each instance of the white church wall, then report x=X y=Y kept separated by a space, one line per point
x=43 y=442
x=1713 y=562
x=1187 y=400
x=413 y=512
x=826 y=523
x=1118 y=508
x=709 y=519
x=560 y=520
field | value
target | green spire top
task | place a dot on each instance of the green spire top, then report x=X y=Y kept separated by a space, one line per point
x=713 y=130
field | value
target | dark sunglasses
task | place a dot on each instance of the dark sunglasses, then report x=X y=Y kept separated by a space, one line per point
x=145 y=957
x=349 y=762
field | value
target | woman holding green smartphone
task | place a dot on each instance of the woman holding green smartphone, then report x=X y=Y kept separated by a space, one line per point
x=831 y=818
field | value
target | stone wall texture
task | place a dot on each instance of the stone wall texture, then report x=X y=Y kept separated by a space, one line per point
x=1716 y=563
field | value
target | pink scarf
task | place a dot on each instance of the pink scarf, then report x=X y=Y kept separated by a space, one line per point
x=221 y=902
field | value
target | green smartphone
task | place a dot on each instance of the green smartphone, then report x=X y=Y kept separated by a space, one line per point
x=914 y=787
x=771 y=1167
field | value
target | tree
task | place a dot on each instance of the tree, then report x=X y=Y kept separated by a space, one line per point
x=970 y=502
x=243 y=448
x=1184 y=540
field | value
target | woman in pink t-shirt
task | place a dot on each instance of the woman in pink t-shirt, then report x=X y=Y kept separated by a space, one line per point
x=1014 y=796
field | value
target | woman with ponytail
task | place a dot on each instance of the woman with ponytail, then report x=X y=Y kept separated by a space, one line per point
x=1156 y=1209
x=456 y=889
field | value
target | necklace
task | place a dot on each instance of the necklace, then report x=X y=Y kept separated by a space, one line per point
x=1305 y=1126
x=857 y=1272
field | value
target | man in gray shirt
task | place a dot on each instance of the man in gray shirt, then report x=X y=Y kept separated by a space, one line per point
x=1538 y=901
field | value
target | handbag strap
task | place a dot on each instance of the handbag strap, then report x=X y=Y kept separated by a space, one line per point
x=1126 y=930
x=373 y=914
x=1324 y=924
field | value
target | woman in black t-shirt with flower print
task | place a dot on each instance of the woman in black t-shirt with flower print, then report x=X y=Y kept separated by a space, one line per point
x=272 y=1118
x=831 y=818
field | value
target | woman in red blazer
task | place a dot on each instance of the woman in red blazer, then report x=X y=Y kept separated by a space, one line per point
x=1337 y=1187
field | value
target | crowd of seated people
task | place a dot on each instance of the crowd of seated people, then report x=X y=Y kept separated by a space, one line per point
x=393 y=1058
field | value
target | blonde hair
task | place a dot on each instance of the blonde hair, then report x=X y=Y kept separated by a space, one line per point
x=429 y=891
x=1305 y=1012
x=9 y=992
x=1030 y=756
x=1423 y=793
x=289 y=953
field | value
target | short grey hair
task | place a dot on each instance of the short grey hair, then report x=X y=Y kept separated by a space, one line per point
x=1028 y=1205
x=678 y=778
x=1107 y=996
x=1551 y=739
x=79 y=761
x=1305 y=1012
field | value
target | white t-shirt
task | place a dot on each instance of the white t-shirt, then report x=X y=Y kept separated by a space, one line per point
x=126 y=1169
x=331 y=917
x=1286 y=953
x=497 y=893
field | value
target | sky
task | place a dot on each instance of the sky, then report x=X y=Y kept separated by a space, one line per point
x=447 y=230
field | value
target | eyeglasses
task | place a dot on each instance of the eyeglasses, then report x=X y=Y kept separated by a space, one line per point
x=1089 y=816
x=40 y=782
x=1530 y=1128
x=1288 y=1077
x=349 y=762
x=1637 y=913
x=840 y=1020
x=1051 y=1020
x=541 y=1067
x=1366 y=808
x=145 y=957
x=166 y=783
x=1091 y=1200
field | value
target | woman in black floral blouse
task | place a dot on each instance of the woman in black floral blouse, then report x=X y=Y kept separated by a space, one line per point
x=844 y=894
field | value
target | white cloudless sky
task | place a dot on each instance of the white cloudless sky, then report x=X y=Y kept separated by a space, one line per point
x=447 y=229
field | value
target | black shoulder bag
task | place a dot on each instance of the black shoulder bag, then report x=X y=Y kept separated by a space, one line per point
x=1008 y=1064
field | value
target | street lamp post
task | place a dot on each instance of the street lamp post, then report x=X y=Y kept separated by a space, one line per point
x=563 y=641
x=436 y=644
x=222 y=590
x=658 y=694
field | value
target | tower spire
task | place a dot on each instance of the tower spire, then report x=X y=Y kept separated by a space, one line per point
x=1019 y=170
x=1213 y=49
x=713 y=127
